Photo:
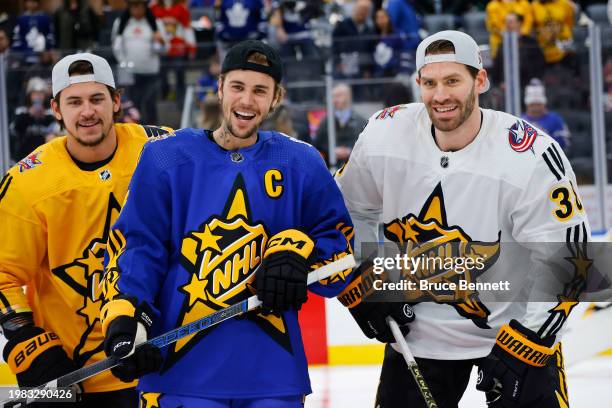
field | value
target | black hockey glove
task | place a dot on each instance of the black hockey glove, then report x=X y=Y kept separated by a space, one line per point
x=371 y=315
x=125 y=325
x=520 y=370
x=281 y=280
x=34 y=355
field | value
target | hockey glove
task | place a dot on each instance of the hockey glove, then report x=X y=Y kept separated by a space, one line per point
x=519 y=370
x=371 y=315
x=34 y=355
x=125 y=325
x=281 y=280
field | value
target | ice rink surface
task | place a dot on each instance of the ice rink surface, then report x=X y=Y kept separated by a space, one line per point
x=589 y=384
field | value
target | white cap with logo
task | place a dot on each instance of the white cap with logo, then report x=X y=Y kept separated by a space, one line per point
x=466 y=51
x=535 y=93
x=61 y=78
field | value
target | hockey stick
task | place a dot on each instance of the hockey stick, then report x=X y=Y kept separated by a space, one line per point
x=174 y=335
x=412 y=365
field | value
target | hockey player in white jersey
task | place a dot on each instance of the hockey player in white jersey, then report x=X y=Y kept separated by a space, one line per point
x=446 y=170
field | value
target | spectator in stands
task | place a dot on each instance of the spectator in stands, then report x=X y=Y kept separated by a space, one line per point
x=406 y=22
x=34 y=123
x=5 y=43
x=12 y=70
x=131 y=114
x=388 y=48
x=353 y=42
x=454 y=7
x=553 y=24
x=201 y=3
x=77 y=26
x=180 y=41
x=33 y=32
x=607 y=74
x=138 y=41
x=497 y=10
x=210 y=113
x=239 y=20
x=289 y=28
x=531 y=59
x=347 y=122
x=538 y=115
x=279 y=120
x=208 y=84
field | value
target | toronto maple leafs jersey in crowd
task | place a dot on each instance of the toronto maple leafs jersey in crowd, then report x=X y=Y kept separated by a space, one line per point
x=189 y=239
x=511 y=189
x=241 y=20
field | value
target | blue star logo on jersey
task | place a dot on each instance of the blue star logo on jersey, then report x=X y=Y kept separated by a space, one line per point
x=428 y=235
x=221 y=257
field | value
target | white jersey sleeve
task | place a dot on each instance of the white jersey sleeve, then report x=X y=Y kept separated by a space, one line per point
x=550 y=219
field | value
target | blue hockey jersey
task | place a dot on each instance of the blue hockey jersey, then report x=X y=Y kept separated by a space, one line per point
x=240 y=20
x=189 y=239
x=33 y=34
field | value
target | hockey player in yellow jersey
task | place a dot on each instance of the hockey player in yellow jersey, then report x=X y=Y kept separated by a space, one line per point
x=56 y=207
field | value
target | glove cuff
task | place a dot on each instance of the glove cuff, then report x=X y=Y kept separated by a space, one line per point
x=128 y=307
x=518 y=341
x=290 y=240
x=360 y=286
x=19 y=355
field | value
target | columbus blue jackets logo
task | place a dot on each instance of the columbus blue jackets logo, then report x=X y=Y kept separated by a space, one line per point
x=221 y=257
x=521 y=136
x=29 y=162
x=429 y=236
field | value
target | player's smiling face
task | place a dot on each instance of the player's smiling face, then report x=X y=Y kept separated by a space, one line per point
x=449 y=93
x=246 y=99
x=87 y=110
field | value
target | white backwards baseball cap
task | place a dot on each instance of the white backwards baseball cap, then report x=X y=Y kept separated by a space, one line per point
x=61 y=79
x=466 y=51
x=535 y=93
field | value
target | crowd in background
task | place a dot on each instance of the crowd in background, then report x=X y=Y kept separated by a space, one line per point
x=157 y=46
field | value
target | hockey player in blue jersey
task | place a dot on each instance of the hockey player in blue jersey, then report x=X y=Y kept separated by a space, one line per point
x=211 y=218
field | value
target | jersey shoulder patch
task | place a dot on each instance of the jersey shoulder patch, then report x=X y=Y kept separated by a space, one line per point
x=522 y=136
x=157 y=132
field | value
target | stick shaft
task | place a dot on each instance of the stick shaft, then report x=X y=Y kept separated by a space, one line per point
x=411 y=362
x=198 y=325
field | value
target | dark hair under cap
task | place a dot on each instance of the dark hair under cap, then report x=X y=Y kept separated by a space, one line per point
x=237 y=58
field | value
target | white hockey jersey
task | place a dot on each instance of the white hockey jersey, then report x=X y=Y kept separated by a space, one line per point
x=511 y=186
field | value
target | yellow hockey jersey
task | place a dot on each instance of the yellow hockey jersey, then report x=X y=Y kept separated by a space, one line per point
x=497 y=10
x=54 y=224
x=553 y=23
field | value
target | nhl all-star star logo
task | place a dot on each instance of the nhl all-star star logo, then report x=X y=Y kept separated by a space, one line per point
x=83 y=275
x=221 y=257
x=429 y=236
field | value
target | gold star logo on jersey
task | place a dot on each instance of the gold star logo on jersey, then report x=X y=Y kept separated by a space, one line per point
x=221 y=257
x=83 y=276
x=439 y=246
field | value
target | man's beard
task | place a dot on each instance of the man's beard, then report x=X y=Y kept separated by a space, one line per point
x=90 y=143
x=465 y=112
x=227 y=118
x=249 y=132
